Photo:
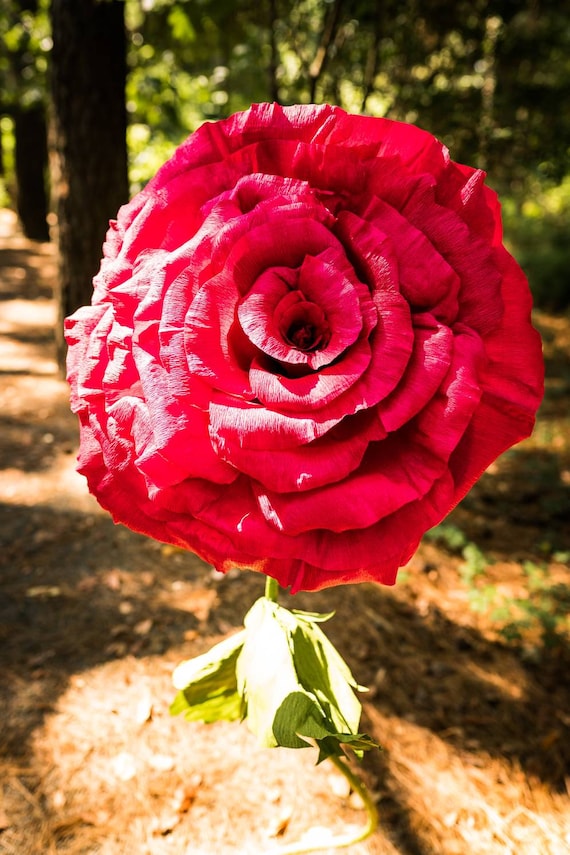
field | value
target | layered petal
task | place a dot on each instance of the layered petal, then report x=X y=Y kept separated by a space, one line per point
x=306 y=342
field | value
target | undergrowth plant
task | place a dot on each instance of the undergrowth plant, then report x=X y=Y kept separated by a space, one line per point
x=543 y=612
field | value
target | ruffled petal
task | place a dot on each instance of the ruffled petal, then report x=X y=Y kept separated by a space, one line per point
x=392 y=474
x=512 y=382
x=307 y=467
x=305 y=343
x=313 y=391
x=428 y=365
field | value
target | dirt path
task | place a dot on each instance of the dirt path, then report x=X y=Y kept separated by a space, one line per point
x=472 y=707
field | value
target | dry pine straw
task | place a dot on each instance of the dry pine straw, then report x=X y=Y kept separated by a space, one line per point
x=475 y=740
x=113 y=773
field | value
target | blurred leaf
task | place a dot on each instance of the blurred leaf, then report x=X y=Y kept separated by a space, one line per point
x=448 y=534
x=181 y=25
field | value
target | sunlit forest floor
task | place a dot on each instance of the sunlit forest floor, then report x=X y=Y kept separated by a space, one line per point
x=466 y=658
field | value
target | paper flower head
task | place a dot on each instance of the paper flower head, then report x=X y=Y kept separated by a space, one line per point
x=306 y=342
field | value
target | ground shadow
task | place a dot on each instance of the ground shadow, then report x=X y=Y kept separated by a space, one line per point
x=429 y=668
x=78 y=592
x=22 y=274
x=75 y=591
x=521 y=507
x=29 y=446
x=68 y=578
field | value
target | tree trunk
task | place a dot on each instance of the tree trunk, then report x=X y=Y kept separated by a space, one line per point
x=372 y=56
x=90 y=180
x=319 y=62
x=273 y=53
x=30 y=158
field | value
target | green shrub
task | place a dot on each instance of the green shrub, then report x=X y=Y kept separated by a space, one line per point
x=538 y=234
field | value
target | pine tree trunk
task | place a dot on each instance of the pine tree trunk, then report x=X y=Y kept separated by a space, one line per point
x=90 y=179
x=31 y=166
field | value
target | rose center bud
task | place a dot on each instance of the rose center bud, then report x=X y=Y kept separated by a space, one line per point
x=304 y=326
x=304 y=337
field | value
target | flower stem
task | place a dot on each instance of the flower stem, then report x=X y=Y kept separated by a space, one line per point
x=271 y=589
x=342 y=840
x=359 y=787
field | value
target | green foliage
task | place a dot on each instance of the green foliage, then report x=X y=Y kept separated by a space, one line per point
x=26 y=40
x=546 y=609
x=147 y=153
x=449 y=535
x=24 y=57
x=189 y=62
x=543 y=614
x=208 y=684
x=537 y=231
x=531 y=133
x=489 y=79
x=7 y=190
x=475 y=561
x=486 y=78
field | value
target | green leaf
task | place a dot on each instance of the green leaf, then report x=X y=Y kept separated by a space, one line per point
x=293 y=717
x=332 y=745
x=299 y=722
x=225 y=706
x=208 y=684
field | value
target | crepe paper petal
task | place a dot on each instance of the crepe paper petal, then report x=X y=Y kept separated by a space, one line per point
x=306 y=342
x=326 y=460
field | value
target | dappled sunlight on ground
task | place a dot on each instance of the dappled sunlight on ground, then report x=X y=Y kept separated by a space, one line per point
x=466 y=657
x=114 y=758
x=469 y=801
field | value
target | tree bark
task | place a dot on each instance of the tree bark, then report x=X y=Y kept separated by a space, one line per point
x=90 y=179
x=30 y=160
x=320 y=60
x=372 y=56
x=273 y=53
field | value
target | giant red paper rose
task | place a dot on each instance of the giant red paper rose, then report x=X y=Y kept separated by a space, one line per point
x=306 y=343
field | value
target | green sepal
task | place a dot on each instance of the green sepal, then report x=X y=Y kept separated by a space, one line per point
x=321 y=668
x=208 y=684
x=313 y=617
x=281 y=675
x=297 y=688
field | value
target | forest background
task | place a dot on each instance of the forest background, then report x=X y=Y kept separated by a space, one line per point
x=129 y=80
x=467 y=657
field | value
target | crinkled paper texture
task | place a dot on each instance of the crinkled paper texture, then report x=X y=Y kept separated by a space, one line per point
x=306 y=342
x=283 y=676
